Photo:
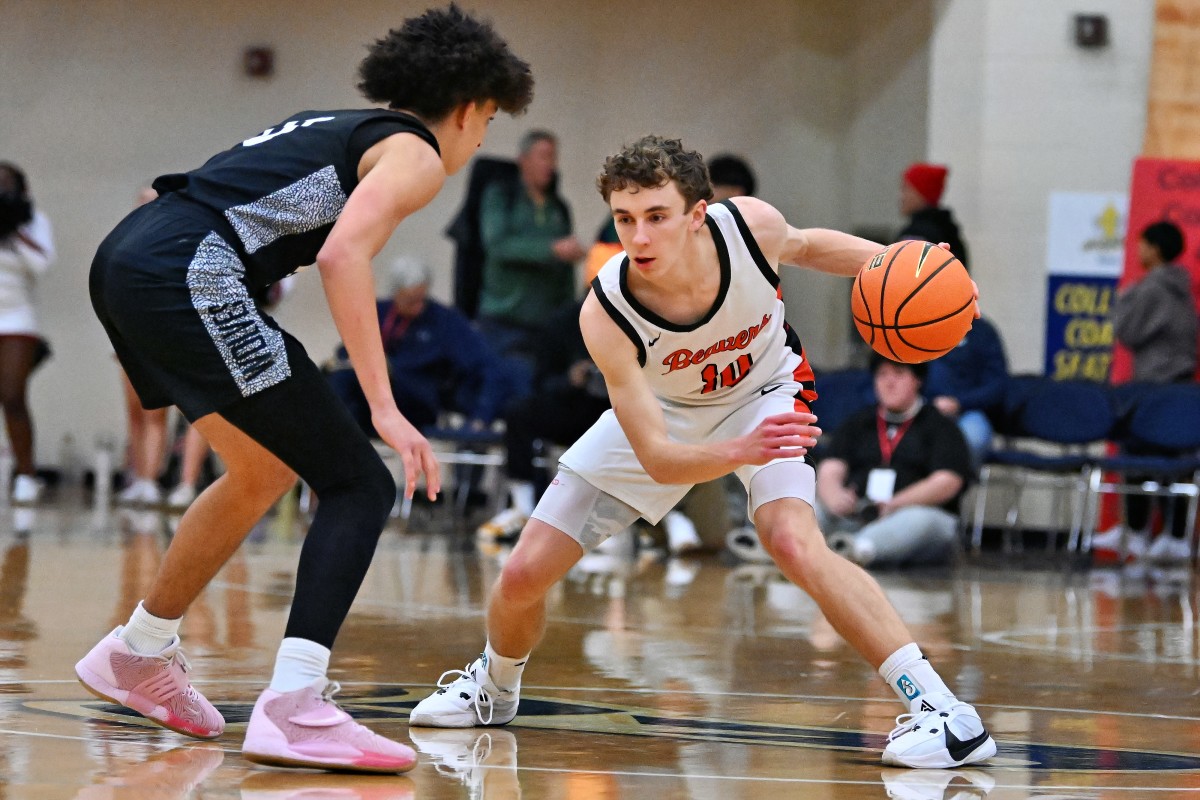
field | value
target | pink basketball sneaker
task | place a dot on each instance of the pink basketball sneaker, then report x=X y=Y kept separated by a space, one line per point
x=157 y=687
x=305 y=728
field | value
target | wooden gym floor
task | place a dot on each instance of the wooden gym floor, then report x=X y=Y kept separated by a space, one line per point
x=657 y=679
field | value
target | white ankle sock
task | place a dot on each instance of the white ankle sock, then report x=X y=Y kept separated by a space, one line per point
x=521 y=493
x=299 y=663
x=914 y=679
x=504 y=672
x=147 y=634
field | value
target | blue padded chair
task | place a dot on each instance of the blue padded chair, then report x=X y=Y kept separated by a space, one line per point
x=1164 y=419
x=1052 y=429
x=1006 y=418
x=839 y=394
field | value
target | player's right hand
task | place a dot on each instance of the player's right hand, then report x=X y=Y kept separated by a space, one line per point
x=781 y=436
x=415 y=452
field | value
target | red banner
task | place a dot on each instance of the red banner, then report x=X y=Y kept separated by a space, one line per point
x=1163 y=189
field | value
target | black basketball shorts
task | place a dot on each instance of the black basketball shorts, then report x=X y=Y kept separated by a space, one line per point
x=171 y=295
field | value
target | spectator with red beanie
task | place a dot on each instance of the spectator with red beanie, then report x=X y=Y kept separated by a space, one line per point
x=920 y=196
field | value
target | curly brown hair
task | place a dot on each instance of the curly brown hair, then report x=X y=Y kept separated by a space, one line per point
x=435 y=62
x=654 y=161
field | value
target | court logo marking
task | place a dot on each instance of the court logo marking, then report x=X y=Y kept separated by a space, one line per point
x=385 y=705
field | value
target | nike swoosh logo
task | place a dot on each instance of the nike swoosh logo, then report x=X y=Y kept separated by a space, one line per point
x=655 y=339
x=770 y=389
x=959 y=750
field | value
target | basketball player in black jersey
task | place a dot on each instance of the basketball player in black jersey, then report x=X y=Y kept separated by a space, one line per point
x=173 y=286
x=705 y=378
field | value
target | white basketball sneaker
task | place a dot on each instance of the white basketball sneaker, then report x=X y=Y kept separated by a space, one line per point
x=1166 y=549
x=939 y=738
x=467 y=698
x=504 y=527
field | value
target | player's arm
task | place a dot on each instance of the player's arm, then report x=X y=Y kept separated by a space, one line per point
x=642 y=420
x=821 y=249
x=398 y=175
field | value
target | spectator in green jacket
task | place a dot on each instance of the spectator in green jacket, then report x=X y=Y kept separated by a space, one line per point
x=529 y=270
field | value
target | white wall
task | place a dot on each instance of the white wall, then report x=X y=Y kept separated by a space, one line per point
x=1019 y=111
x=829 y=100
x=100 y=97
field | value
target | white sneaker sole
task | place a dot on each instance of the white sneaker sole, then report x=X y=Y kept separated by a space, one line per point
x=465 y=719
x=941 y=759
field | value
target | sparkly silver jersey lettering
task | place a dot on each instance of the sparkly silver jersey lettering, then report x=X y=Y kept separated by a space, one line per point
x=253 y=351
x=303 y=206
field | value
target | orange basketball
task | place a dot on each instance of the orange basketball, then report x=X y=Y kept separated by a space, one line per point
x=913 y=302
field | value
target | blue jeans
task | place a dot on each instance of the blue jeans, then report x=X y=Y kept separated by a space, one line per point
x=514 y=345
x=908 y=536
x=977 y=430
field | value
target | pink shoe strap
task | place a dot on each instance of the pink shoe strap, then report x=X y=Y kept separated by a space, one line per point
x=166 y=684
x=326 y=715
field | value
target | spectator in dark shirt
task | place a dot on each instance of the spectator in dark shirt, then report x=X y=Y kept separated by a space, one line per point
x=436 y=360
x=888 y=491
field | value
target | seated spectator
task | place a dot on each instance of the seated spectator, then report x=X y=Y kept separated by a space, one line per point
x=968 y=382
x=569 y=395
x=888 y=491
x=437 y=362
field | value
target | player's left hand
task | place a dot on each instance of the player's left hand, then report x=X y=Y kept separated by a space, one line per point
x=414 y=450
x=946 y=246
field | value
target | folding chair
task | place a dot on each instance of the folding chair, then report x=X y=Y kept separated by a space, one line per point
x=1166 y=421
x=1052 y=428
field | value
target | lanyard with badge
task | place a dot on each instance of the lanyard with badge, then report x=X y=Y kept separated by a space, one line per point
x=881 y=481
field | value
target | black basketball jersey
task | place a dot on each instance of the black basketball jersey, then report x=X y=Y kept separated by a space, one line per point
x=275 y=196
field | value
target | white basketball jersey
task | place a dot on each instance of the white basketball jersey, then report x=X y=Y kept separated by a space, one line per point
x=741 y=348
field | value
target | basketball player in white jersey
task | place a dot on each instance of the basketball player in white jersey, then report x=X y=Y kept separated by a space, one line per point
x=705 y=378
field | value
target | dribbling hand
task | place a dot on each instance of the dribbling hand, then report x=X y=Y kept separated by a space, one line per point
x=415 y=453
x=781 y=436
x=946 y=246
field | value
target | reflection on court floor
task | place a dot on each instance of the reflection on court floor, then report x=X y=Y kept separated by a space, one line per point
x=663 y=678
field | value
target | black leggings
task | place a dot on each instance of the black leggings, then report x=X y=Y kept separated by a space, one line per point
x=303 y=423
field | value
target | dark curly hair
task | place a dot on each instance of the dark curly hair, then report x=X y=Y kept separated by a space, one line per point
x=655 y=161
x=440 y=60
